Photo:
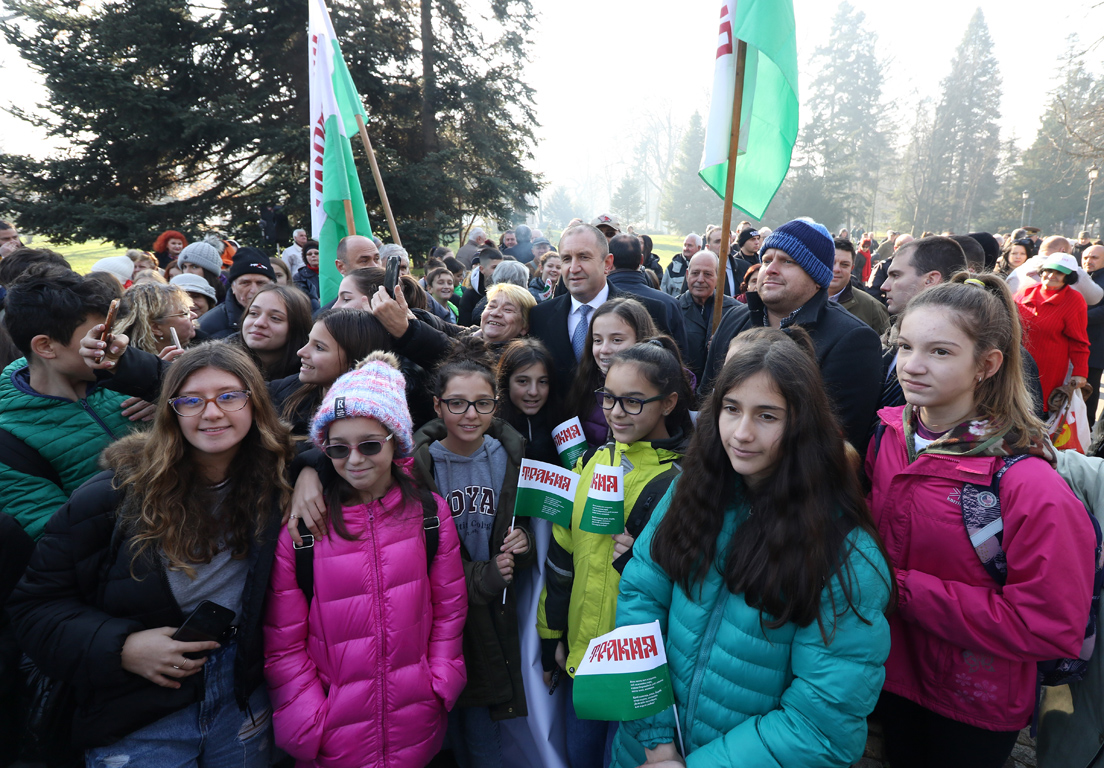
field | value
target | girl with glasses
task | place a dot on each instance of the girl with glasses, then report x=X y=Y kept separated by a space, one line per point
x=187 y=514
x=149 y=313
x=645 y=397
x=473 y=460
x=363 y=670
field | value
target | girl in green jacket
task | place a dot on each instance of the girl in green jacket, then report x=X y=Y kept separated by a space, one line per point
x=645 y=398
x=764 y=570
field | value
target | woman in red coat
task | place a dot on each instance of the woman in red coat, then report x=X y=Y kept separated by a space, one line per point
x=1055 y=323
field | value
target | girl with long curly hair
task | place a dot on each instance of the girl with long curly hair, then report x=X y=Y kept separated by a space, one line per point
x=765 y=573
x=186 y=515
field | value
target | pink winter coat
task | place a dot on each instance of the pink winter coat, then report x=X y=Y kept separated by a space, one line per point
x=962 y=646
x=367 y=678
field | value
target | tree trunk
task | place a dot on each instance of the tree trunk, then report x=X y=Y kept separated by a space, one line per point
x=429 y=82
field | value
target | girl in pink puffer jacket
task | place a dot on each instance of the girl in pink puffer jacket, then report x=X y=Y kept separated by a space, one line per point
x=960 y=678
x=365 y=674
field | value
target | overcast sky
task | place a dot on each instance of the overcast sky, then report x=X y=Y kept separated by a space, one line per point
x=598 y=65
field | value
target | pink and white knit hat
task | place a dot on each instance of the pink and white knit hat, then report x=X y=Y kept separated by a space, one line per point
x=374 y=389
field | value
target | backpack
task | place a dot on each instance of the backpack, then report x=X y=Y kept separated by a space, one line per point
x=981 y=517
x=304 y=553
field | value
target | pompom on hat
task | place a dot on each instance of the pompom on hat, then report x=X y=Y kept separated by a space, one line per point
x=375 y=389
x=808 y=244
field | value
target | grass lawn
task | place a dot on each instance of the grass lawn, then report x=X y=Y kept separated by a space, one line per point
x=81 y=256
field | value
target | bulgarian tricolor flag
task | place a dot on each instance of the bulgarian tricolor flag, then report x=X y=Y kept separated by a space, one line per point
x=336 y=199
x=768 y=114
x=623 y=676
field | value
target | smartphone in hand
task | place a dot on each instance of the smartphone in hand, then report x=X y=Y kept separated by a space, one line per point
x=209 y=621
x=391 y=275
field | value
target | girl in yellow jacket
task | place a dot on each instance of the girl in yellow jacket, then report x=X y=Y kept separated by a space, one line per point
x=645 y=397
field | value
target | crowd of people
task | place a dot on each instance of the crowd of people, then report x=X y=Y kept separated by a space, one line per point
x=843 y=503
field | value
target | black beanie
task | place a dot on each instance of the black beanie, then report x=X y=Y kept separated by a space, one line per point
x=744 y=236
x=250 y=261
x=988 y=244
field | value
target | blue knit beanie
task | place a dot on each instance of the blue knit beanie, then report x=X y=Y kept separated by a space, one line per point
x=807 y=243
x=374 y=389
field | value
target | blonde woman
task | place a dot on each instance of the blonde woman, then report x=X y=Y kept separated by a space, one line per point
x=149 y=312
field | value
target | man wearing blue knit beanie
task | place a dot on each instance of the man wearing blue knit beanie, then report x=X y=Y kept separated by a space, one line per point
x=793 y=290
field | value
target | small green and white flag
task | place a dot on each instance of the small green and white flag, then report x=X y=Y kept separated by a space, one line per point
x=623 y=676
x=334 y=183
x=546 y=491
x=769 y=110
x=604 y=511
x=570 y=441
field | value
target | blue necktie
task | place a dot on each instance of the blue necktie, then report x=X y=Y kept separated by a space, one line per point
x=578 y=339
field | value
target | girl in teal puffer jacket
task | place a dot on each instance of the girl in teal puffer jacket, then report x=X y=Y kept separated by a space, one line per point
x=766 y=575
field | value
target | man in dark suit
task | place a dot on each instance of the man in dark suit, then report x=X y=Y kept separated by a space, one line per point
x=697 y=307
x=628 y=256
x=562 y=322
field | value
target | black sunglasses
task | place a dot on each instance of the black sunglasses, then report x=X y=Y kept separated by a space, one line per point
x=367 y=448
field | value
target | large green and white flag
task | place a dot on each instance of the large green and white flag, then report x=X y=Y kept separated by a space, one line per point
x=769 y=110
x=623 y=675
x=334 y=105
x=545 y=491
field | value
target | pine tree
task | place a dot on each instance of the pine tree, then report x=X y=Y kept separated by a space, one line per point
x=181 y=115
x=845 y=139
x=960 y=173
x=628 y=201
x=688 y=205
x=559 y=208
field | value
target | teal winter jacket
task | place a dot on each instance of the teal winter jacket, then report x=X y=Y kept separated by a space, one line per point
x=752 y=696
x=69 y=435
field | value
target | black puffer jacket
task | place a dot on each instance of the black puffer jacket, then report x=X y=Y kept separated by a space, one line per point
x=78 y=602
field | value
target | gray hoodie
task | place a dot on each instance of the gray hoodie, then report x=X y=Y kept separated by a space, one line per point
x=471 y=485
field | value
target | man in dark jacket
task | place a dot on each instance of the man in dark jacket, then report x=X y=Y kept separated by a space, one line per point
x=697 y=307
x=483 y=267
x=250 y=272
x=793 y=283
x=523 y=251
x=628 y=257
x=1092 y=261
x=562 y=322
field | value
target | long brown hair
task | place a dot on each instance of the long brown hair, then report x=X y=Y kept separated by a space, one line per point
x=588 y=376
x=357 y=333
x=166 y=506
x=988 y=315
x=298 y=309
x=794 y=542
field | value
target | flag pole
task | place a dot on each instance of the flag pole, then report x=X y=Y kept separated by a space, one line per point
x=730 y=183
x=350 y=225
x=379 y=181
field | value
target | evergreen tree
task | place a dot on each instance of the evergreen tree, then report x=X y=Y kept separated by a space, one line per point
x=628 y=201
x=845 y=139
x=1053 y=169
x=960 y=169
x=688 y=205
x=183 y=115
x=559 y=208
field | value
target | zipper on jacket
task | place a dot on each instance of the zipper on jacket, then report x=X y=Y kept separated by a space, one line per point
x=703 y=657
x=371 y=527
x=83 y=402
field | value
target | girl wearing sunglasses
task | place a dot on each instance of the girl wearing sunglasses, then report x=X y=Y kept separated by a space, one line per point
x=645 y=397
x=473 y=460
x=364 y=673
x=187 y=514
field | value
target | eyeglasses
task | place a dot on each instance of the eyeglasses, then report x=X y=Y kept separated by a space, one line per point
x=227 y=402
x=460 y=406
x=630 y=405
x=366 y=448
x=185 y=313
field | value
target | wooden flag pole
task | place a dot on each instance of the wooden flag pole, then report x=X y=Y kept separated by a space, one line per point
x=379 y=181
x=730 y=183
x=350 y=225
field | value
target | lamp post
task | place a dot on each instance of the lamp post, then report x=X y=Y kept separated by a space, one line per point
x=1023 y=209
x=1094 y=172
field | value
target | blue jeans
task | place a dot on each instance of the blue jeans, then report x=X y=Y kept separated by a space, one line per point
x=589 y=742
x=474 y=738
x=212 y=733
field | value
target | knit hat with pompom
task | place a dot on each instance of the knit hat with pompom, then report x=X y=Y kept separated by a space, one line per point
x=374 y=389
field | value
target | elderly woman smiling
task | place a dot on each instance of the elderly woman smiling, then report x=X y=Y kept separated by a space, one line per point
x=507 y=314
